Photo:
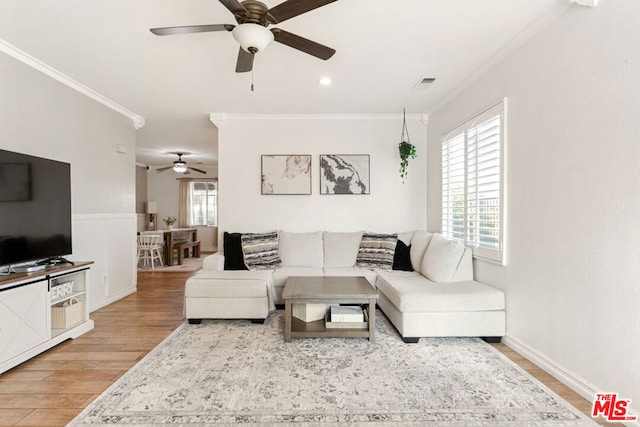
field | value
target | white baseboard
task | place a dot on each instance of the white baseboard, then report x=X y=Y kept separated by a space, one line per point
x=568 y=378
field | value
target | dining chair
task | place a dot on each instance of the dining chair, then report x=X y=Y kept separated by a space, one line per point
x=150 y=249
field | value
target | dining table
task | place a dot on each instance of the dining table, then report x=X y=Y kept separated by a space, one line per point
x=174 y=235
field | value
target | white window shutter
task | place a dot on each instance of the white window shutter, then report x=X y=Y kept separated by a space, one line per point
x=473 y=183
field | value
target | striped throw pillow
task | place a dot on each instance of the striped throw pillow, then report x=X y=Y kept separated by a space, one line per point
x=260 y=250
x=377 y=250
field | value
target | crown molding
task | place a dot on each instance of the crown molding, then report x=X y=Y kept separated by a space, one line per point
x=222 y=117
x=20 y=55
x=588 y=3
x=217 y=119
x=536 y=27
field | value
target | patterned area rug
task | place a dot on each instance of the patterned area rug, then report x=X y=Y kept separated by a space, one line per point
x=233 y=372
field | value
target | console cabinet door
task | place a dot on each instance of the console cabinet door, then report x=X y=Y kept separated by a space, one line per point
x=24 y=319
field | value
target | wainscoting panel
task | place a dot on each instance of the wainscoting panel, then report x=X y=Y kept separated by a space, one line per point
x=109 y=241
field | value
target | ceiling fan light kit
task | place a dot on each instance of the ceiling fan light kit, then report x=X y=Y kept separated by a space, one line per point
x=179 y=166
x=253 y=18
x=252 y=37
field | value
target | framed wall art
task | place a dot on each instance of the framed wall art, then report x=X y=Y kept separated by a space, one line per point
x=286 y=174
x=344 y=174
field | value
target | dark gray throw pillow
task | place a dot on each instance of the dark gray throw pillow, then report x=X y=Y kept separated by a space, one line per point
x=232 y=249
x=402 y=257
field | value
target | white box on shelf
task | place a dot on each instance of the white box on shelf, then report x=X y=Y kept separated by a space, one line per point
x=346 y=313
x=309 y=312
x=64 y=315
x=347 y=325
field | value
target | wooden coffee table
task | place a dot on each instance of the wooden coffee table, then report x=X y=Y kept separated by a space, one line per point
x=328 y=290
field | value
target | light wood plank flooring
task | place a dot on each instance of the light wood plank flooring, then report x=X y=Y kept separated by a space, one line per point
x=52 y=388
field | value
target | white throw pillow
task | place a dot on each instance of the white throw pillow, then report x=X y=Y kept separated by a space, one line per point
x=300 y=249
x=441 y=258
x=419 y=242
x=341 y=249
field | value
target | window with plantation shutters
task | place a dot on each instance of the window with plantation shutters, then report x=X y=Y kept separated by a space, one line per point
x=473 y=183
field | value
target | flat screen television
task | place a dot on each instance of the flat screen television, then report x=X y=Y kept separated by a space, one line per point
x=35 y=208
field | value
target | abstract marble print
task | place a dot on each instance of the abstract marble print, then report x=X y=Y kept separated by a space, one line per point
x=344 y=174
x=286 y=174
x=233 y=372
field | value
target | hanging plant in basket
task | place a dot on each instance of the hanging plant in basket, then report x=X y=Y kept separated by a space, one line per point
x=406 y=148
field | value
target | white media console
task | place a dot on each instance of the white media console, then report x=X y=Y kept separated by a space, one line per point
x=40 y=310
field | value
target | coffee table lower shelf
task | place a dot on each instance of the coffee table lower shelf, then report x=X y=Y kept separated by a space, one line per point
x=318 y=329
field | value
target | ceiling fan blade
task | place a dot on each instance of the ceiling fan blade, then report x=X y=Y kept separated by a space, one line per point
x=245 y=61
x=291 y=8
x=302 y=44
x=188 y=29
x=235 y=7
x=164 y=169
x=196 y=169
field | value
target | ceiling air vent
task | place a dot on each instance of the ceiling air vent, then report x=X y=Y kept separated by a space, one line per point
x=424 y=82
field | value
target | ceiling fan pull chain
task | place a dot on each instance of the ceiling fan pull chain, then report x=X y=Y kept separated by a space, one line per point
x=252 y=80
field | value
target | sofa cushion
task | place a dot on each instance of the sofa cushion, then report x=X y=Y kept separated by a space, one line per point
x=402 y=257
x=368 y=274
x=419 y=242
x=280 y=275
x=413 y=293
x=232 y=249
x=231 y=284
x=405 y=236
x=376 y=251
x=223 y=284
x=300 y=249
x=341 y=249
x=441 y=258
x=261 y=250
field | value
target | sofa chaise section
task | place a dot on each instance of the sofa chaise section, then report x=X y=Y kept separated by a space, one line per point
x=418 y=307
x=227 y=295
x=440 y=298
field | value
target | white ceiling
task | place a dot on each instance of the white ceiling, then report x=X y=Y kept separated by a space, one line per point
x=384 y=47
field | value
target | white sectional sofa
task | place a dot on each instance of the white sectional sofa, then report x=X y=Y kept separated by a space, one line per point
x=438 y=298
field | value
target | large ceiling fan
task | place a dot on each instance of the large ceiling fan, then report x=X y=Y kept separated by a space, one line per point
x=253 y=18
x=180 y=166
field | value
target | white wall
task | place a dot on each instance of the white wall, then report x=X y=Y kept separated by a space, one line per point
x=391 y=206
x=573 y=266
x=42 y=117
x=163 y=187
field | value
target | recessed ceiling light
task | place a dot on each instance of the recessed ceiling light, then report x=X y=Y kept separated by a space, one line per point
x=325 y=81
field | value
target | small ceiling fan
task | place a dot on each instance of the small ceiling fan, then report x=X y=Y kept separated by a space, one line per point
x=253 y=18
x=180 y=166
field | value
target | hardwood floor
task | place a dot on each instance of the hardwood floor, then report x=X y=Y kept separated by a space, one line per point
x=52 y=388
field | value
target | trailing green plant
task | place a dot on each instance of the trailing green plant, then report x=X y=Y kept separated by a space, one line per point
x=406 y=148
x=407 y=151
